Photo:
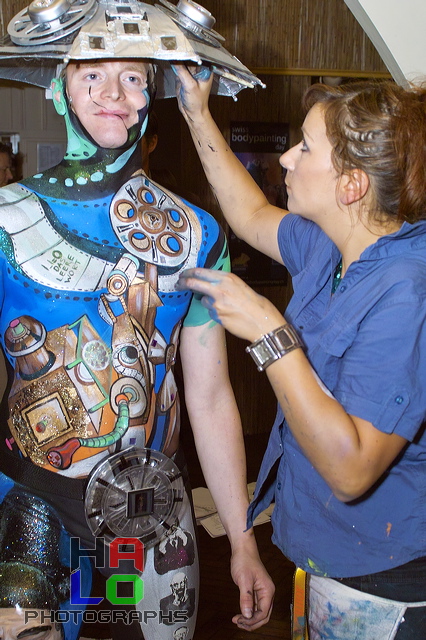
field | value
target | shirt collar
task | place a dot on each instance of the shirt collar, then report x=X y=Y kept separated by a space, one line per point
x=408 y=235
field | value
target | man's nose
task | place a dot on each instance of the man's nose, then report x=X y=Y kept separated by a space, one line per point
x=113 y=89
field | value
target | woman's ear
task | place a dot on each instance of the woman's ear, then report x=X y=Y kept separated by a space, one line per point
x=353 y=186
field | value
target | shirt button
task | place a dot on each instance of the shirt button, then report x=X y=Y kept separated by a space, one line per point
x=399 y=399
x=343 y=287
x=279 y=486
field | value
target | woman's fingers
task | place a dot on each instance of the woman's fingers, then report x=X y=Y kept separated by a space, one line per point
x=199 y=280
x=192 y=87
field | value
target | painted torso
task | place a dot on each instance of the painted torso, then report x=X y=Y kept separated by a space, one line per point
x=89 y=313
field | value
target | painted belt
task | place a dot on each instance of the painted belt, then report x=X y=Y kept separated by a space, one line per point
x=136 y=493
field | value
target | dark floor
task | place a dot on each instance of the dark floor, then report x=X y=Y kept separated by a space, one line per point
x=218 y=594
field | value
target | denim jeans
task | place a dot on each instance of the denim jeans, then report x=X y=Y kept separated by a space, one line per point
x=406 y=583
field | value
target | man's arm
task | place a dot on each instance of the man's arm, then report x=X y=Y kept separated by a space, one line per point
x=243 y=203
x=218 y=437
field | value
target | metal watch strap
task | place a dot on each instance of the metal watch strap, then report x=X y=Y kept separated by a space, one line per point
x=273 y=346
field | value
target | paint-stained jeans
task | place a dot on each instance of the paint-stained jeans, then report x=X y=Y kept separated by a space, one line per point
x=390 y=605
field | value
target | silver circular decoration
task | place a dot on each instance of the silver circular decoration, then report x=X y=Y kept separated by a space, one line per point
x=195 y=19
x=197 y=13
x=45 y=21
x=47 y=10
x=137 y=493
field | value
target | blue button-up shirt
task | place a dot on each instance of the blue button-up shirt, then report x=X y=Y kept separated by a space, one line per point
x=367 y=343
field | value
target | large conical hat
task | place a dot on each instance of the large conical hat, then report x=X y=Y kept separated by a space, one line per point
x=52 y=32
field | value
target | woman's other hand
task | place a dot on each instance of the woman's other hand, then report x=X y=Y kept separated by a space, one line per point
x=232 y=303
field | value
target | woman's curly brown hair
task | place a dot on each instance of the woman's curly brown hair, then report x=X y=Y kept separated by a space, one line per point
x=379 y=127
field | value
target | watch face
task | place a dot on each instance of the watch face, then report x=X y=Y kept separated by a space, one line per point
x=263 y=352
x=137 y=493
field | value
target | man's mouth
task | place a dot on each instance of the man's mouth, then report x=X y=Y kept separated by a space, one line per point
x=113 y=114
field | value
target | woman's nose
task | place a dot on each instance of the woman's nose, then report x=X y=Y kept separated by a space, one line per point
x=289 y=157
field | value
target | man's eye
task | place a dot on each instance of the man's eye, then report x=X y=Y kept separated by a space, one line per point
x=135 y=80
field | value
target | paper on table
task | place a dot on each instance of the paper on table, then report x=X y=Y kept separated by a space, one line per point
x=206 y=512
x=204 y=505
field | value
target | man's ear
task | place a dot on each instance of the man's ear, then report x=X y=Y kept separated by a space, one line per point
x=152 y=143
x=353 y=186
x=58 y=96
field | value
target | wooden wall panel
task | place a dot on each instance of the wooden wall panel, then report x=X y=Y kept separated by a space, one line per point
x=9 y=8
x=295 y=34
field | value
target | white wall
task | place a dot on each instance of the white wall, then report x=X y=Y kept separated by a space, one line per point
x=25 y=110
x=397 y=30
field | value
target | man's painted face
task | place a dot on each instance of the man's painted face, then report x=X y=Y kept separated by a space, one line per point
x=106 y=97
x=14 y=627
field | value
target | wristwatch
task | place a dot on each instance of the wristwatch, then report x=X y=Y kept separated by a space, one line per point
x=273 y=346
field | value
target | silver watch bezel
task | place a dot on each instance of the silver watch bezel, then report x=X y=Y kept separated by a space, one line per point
x=273 y=346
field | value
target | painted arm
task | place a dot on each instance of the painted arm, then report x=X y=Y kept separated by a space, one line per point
x=243 y=203
x=348 y=452
x=216 y=424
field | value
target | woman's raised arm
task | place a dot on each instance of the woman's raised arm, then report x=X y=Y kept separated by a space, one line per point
x=244 y=205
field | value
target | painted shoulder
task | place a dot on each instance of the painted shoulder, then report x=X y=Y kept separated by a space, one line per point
x=34 y=245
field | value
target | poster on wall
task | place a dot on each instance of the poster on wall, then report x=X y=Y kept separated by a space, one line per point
x=259 y=145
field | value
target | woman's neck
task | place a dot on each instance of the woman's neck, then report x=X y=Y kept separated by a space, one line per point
x=359 y=238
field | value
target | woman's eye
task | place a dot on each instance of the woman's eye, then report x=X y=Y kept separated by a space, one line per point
x=304 y=145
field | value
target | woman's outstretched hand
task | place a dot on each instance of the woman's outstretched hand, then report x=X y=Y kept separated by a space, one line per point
x=232 y=303
x=193 y=87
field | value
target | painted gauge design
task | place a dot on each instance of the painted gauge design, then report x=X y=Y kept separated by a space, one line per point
x=150 y=225
x=136 y=493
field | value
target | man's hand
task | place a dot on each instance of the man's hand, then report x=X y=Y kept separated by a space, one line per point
x=256 y=589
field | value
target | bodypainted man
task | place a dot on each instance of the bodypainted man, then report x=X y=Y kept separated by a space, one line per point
x=90 y=323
